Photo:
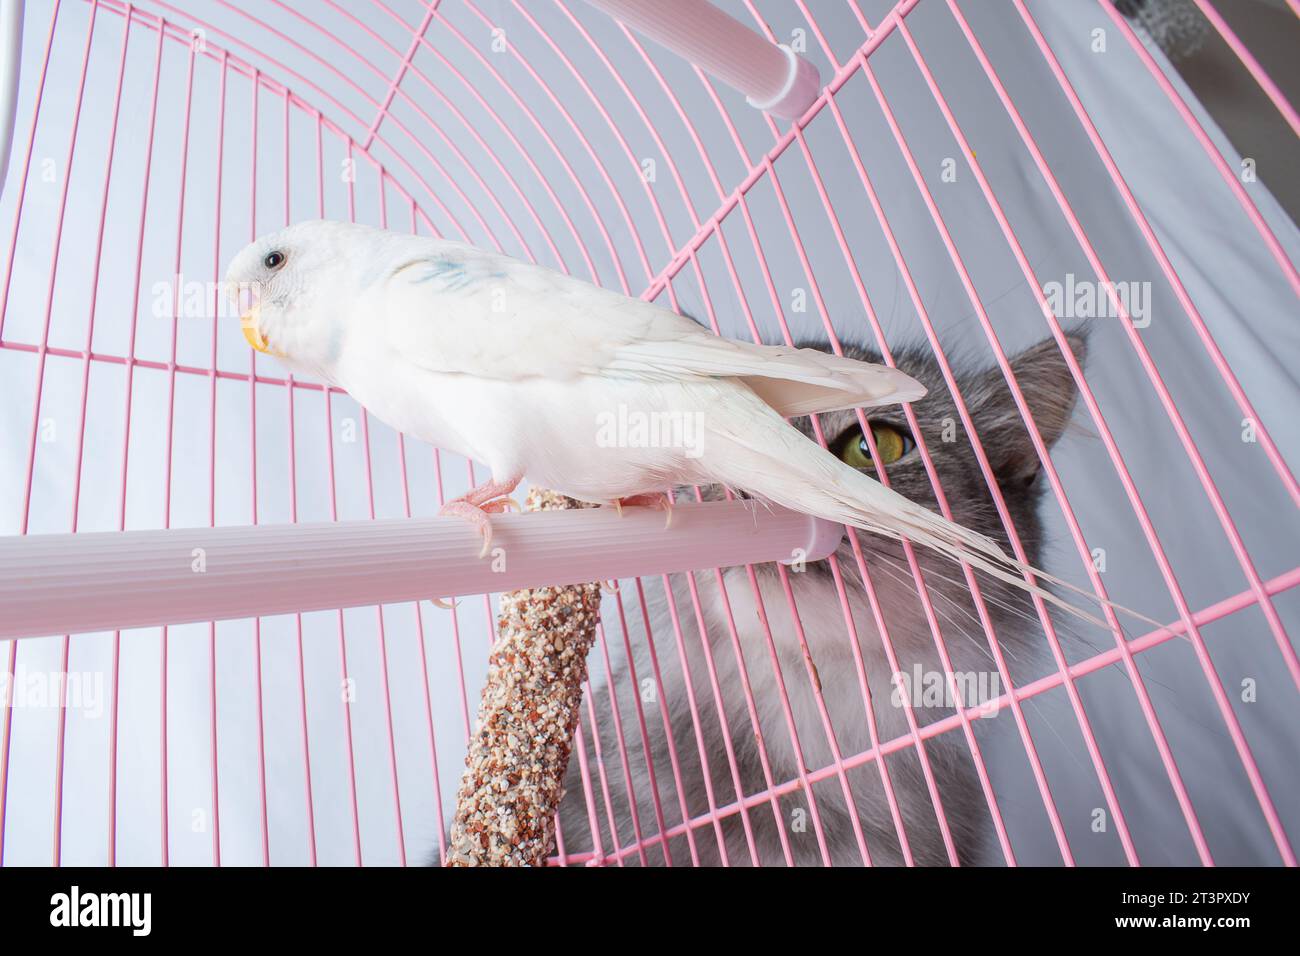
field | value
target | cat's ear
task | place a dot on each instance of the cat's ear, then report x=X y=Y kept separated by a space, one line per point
x=1050 y=392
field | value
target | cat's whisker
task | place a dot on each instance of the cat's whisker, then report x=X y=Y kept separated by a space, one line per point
x=897 y=574
x=988 y=586
x=1067 y=629
x=896 y=571
x=929 y=572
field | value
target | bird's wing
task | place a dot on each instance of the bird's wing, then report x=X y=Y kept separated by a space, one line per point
x=457 y=309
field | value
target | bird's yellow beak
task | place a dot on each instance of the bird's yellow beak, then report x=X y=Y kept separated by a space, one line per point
x=248 y=322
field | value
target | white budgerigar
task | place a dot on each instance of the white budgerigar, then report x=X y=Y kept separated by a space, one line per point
x=603 y=397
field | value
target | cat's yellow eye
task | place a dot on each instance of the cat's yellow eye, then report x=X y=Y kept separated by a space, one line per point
x=891 y=444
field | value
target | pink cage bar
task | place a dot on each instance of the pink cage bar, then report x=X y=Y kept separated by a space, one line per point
x=553 y=133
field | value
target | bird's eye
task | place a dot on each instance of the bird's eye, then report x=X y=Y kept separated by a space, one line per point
x=273 y=260
x=891 y=443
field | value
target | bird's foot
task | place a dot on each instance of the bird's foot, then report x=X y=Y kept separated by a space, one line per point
x=477 y=504
x=651 y=499
x=476 y=516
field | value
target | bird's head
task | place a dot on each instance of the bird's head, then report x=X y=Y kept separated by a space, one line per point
x=294 y=289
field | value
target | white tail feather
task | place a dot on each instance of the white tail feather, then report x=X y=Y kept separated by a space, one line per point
x=772 y=460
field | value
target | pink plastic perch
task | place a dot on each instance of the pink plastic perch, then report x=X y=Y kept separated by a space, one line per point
x=93 y=581
x=773 y=76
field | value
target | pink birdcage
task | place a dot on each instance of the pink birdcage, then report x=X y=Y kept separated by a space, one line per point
x=935 y=173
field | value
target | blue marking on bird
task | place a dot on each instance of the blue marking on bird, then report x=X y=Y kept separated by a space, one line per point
x=450 y=273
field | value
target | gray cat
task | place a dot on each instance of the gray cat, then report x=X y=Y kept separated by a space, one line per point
x=791 y=827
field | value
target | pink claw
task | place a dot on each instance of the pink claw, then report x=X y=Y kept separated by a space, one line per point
x=475 y=506
x=650 y=499
x=476 y=516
